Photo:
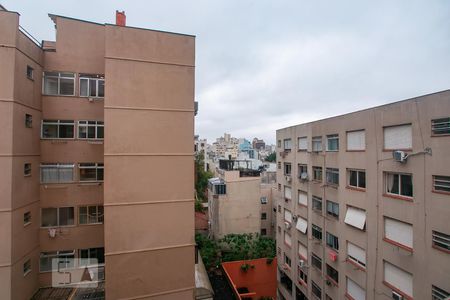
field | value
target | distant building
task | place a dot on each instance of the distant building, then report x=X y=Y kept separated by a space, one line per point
x=357 y=221
x=258 y=144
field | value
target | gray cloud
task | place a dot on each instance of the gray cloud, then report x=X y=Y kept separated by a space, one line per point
x=264 y=65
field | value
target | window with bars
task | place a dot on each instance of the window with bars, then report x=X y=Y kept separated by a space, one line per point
x=399 y=184
x=333 y=142
x=317 y=144
x=316 y=261
x=90 y=129
x=90 y=214
x=263 y=216
x=357 y=178
x=92 y=86
x=317 y=203
x=332 y=241
x=441 y=240
x=317 y=232
x=58 y=129
x=317 y=173
x=59 y=83
x=57 y=216
x=91 y=171
x=333 y=209
x=57 y=172
x=440 y=126
x=332 y=175
x=441 y=183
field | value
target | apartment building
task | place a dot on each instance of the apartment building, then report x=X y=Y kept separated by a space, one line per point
x=81 y=174
x=356 y=221
x=238 y=202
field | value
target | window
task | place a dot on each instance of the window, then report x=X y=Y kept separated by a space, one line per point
x=58 y=129
x=302 y=251
x=316 y=290
x=286 y=282
x=279 y=229
x=332 y=241
x=59 y=83
x=332 y=273
x=287 y=169
x=57 y=216
x=287 y=215
x=279 y=165
x=355 y=217
x=440 y=126
x=399 y=279
x=287 y=239
x=27 y=218
x=287 y=260
x=441 y=240
x=399 y=184
x=316 y=261
x=263 y=200
x=28 y=121
x=333 y=142
x=90 y=129
x=398 y=233
x=279 y=208
x=332 y=176
x=357 y=178
x=287 y=144
x=438 y=293
x=398 y=137
x=441 y=183
x=356 y=255
x=90 y=214
x=91 y=256
x=356 y=140
x=317 y=232
x=303 y=143
x=56 y=173
x=279 y=143
x=92 y=85
x=302 y=169
x=65 y=260
x=91 y=171
x=317 y=144
x=302 y=225
x=263 y=231
x=30 y=72
x=317 y=203
x=317 y=173
x=27 y=169
x=263 y=216
x=287 y=193
x=332 y=209
x=302 y=276
x=27 y=267
x=302 y=198
x=355 y=291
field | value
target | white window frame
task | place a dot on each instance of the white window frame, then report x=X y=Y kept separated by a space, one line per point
x=356 y=134
x=287 y=216
x=356 y=255
x=88 y=78
x=96 y=166
x=85 y=124
x=58 y=217
x=332 y=211
x=334 y=241
x=316 y=142
x=302 y=225
x=358 y=171
x=57 y=166
x=98 y=214
x=332 y=137
x=58 y=77
x=329 y=174
x=58 y=123
x=302 y=143
x=302 y=197
x=287 y=192
x=400 y=190
x=89 y=258
x=287 y=144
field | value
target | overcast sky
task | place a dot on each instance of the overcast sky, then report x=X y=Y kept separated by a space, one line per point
x=264 y=65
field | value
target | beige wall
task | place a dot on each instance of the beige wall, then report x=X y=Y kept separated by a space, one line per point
x=427 y=211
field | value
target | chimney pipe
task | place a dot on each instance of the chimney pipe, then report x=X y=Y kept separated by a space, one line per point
x=120 y=18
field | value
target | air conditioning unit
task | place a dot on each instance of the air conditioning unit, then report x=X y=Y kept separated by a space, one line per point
x=288 y=179
x=52 y=232
x=400 y=156
x=304 y=176
x=287 y=225
x=396 y=296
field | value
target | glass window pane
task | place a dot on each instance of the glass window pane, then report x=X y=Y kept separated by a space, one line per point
x=49 y=131
x=100 y=132
x=101 y=88
x=82 y=132
x=65 y=174
x=49 y=174
x=88 y=174
x=353 y=178
x=66 y=86
x=66 y=131
x=91 y=132
x=100 y=174
x=392 y=183
x=406 y=185
x=93 y=88
x=66 y=216
x=49 y=217
x=50 y=86
x=84 y=88
x=362 y=179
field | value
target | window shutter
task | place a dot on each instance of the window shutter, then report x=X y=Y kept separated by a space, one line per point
x=302 y=251
x=398 y=278
x=356 y=252
x=302 y=225
x=356 y=140
x=287 y=192
x=398 y=137
x=398 y=231
x=355 y=217
x=303 y=143
x=355 y=291
x=303 y=198
x=287 y=216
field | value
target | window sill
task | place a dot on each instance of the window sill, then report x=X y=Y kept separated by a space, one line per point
x=398 y=197
x=56 y=185
x=303 y=283
x=440 y=192
x=332 y=185
x=58 y=227
x=389 y=241
x=302 y=258
x=27 y=175
x=303 y=205
x=90 y=224
x=440 y=135
x=354 y=188
x=287 y=245
x=440 y=249
x=332 y=150
x=397 y=290
x=27 y=224
x=90 y=183
x=355 y=150
x=348 y=297
x=356 y=265
x=26 y=273
x=302 y=150
x=30 y=78
x=332 y=281
x=57 y=95
x=405 y=150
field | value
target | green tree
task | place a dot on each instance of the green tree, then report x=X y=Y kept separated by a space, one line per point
x=201 y=178
x=272 y=157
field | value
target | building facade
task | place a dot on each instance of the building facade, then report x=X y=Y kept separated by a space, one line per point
x=356 y=222
x=82 y=175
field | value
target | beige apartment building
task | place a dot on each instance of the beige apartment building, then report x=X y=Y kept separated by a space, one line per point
x=356 y=221
x=96 y=157
x=238 y=201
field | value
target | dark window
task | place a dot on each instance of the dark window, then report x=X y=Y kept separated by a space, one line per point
x=302 y=169
x=333 y=209
x=399 y=184
x=58 y=129
x=91 y=171
x=316 y=290
x=92 y=256
x=440 y=126
x=287 y=260
x=287 y=144
x=357 y=179
x=332 y=273
x=27 y=218
x=28 y=121
x=316 y=261
x=263 y=216
x=263 y=231
x=286 y=282
x=317 y=232
x=317 y=203
x=27 y=169
x=302 y=275
x=287 y=169
x=441 y=183
x=332 y=241
x=332 y=176
x=438 y=293
x=30 y=72
x=333 y=142
x=441 y=240
x=279 y=165
x=317 y=173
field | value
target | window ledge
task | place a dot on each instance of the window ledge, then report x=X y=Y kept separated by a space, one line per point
x=303 y=283
x=405 y=149
x=440 y=192
x=332 y=281
x=332 y=150
x=26 y=273
x=354 y=188
x=27 y=175
x=90 y=183
x=440 y=249
x=55 y=185
x=397 y=290
x=347 y=296
x=355 y=264
x=58 y=141
x=440 y=135
x=27 y=224
x=355 y=150
x=409 y=249
x=90 y=224
x=398 y=197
